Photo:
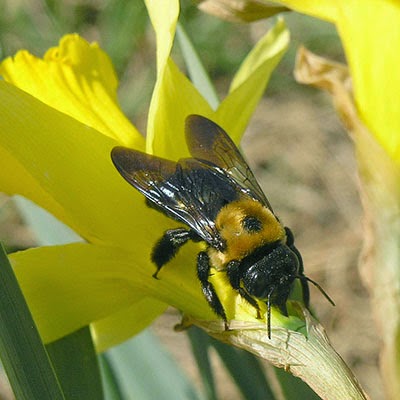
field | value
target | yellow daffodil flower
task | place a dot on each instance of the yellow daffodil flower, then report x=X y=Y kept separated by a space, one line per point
x=368 y=30
x=59 y=120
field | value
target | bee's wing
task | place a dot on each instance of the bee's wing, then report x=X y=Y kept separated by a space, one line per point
x=208 y=141
x=189 y=191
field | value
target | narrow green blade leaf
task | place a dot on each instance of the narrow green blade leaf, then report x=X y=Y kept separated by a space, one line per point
x=111 y=388
x=73 y=357
x=197 y=73
x=75 y=360
x=294 y=388
x=24 y=357
x=145 y=371
x=246 y=370
x=200 y=344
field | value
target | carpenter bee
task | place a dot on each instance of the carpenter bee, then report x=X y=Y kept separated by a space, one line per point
x=215 y=195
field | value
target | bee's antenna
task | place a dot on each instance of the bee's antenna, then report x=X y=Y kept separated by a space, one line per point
x=303 y=277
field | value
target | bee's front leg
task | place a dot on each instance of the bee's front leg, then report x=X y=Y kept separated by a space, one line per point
x=234 y=275
x=169 y=244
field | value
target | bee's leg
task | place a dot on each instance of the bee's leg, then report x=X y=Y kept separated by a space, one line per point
x=169 y=244
x=233 y=272
x=304 y=282
x=203 y=272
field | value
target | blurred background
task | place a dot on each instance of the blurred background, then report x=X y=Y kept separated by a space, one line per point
x=295 y=144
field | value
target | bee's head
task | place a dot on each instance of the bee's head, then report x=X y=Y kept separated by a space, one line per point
x=270 y=278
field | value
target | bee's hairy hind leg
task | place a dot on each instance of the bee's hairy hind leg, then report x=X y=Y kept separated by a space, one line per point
x=203 y=272
x=168 y=245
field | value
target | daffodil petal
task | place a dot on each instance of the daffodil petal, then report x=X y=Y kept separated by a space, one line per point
x=129 y=322
x=365 y=28
x=70 y=286
x=369 y=44
x=250 y=81
x=65 y=167
x=164 y=17
x=78 y=79
x=174 y=98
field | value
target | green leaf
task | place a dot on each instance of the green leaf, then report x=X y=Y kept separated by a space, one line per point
x=73 y=357
x=75 y=360
x=246 y=370
x=111 y=388
x=197 y=72
x=294 y=388
x=144 y=370
x=24 y=357
x=200 y=345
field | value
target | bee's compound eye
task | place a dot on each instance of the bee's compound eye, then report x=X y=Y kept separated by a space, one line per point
x=252 y=224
